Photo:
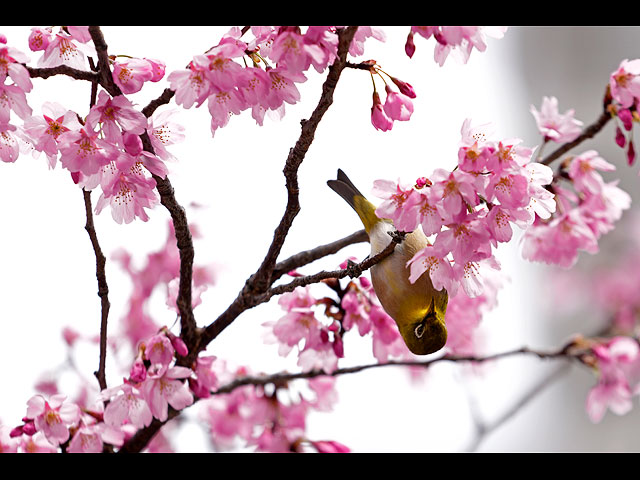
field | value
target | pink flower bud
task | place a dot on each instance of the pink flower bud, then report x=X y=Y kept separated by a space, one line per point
x=329 y=446
x=39 y=39
x=132 y=144
x=620 y=138
x=138 y=371
x=157 y=68
x=409 y=46
x=631 y=153
x=405 y=88
x=626 y=118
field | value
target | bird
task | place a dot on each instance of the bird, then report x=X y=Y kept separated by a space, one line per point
x=418 y=309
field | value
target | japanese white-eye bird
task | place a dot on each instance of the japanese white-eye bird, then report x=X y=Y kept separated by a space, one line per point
x=417 y=308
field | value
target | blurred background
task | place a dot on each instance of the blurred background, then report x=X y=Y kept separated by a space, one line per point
x=233 y=189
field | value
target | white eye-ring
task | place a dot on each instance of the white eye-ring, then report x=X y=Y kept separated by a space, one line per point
x=419 y=330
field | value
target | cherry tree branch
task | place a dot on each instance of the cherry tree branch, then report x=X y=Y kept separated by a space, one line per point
x=103 y=289
x=308 y=256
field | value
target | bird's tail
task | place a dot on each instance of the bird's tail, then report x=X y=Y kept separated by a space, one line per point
x=348 y=191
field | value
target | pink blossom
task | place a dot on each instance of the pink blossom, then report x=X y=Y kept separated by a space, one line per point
x=399 y=200
x=435 y=263
x=584 y=168
x=397 y=105
x=158 y=68
x=37 y=443
x=289 y=49
x=326 y=38
x=427 y=211
x=379 y=118
x=222 y=71
x=624 y=83
x=128 y=193
x=115 y=115
x=386 y=341
x=44 y=131
x=205 y=377
x=191 y=86
x=457 y=190
x=62 y=49
x=9 y=146
x=223 y=104
x=13 y=98
x=11 y=60
x=559 y=241
x=83 y=151
x=464 y=239
x=131 y=73
x=165 y=388
x=553 y=125
x=39 y=38
x=618 y=363
x=283 y=87
x=91 y=438
x=158 y=349
x=134 y=156
x=126 y=406
x=53 y=417
x=356 y=308
x=163 y=132
x=362 y=34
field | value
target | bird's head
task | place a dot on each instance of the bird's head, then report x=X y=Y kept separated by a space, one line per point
x=425 y=333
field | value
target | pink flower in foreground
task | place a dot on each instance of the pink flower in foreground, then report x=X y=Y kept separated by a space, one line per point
x=167 y=388
x=83 y=151
x=128 y=193
x=115 y=115
x=158 y=349
x=53 y=417
x=91 y=438
x=398 y=202
x=63 y=49
x=44 y=131
x=553 y=125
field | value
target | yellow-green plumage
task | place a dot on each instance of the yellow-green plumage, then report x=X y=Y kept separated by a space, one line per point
x=417 y=308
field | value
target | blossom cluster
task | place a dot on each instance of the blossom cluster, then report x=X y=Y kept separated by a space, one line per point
x=624 y=90
x=587 y=207
x=469 y=210
x=583 y=215
x=254 y=415
x=617 y=366
x=280 y=58
x=458 y=41
x=102 y=149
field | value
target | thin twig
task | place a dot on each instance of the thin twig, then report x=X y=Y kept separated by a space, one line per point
x=103 y=289
x=308 y=256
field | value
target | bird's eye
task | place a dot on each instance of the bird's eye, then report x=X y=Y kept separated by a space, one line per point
x=419 y=330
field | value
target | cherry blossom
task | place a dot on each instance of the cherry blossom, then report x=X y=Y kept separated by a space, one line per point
x=553 y=125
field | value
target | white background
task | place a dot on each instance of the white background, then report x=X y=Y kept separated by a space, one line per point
x=48 y=270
